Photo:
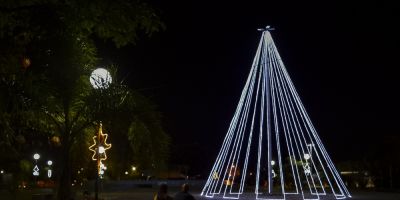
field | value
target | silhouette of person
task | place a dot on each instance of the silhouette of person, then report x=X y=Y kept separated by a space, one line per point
x=162 y=193
x=184 y=193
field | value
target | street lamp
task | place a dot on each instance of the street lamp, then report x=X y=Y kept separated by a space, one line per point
x=100 y=78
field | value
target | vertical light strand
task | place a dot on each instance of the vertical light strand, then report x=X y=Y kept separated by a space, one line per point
x=276 y=129
x=292 y=107
x=284 y=117
x=293 y=125
x=339 y=182
x=233 y=122
x=249 y=97
x=269 y=147
x=260 y=134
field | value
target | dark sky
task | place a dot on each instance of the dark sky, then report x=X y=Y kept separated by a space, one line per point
x=342 y=58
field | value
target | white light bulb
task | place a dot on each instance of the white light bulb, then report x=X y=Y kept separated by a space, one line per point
x=101 y=149
x=36 y=156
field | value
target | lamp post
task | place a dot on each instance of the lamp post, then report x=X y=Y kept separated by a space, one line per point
x=101 y=79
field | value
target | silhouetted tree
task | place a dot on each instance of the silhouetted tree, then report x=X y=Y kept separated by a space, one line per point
x=50 y=45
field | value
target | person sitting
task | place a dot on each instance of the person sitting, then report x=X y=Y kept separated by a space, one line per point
x=184 y=193
x=162 y=193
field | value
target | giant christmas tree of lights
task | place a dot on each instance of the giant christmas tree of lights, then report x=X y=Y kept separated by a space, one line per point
x=271 y=149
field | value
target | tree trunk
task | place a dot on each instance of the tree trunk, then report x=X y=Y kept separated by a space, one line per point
x=64 y=184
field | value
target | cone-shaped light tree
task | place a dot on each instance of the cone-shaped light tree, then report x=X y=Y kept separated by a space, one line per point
x=272 y=149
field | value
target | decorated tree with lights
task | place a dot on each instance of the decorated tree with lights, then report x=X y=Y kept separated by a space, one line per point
x=272 y=140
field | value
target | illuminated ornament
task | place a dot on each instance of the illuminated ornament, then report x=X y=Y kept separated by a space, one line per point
x=25 y=62
x=36 y=156
x=49 y=171
x=215 y=175
x=273 y=174
x=102 y=169
x=270 y=131
x=55 y=140
x=100 y=78
x=99 y=147
x=36 y=171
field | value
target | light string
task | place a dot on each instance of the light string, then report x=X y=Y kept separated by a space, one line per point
x=273 y=105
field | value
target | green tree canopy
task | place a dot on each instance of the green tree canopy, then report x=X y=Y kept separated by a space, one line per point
x=46 y=55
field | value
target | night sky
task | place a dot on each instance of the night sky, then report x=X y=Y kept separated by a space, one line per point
x=342 y=58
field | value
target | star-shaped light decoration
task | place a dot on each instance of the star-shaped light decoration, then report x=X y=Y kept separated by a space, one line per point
x=100 y=145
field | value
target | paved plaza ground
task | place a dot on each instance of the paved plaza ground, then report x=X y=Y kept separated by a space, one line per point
x=146 y=192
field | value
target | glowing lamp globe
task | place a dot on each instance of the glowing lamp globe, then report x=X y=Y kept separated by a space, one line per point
x=272 y=162
x=36 y=156
x=49 y=163
x=100 y=78
x=307 y=156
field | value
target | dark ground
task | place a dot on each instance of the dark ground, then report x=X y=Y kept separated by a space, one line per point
x=147 y=194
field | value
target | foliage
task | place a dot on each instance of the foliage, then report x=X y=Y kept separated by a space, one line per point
x=135 y=126
x=50 y=95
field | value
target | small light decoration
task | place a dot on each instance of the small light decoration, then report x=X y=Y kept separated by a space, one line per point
x=36 y=156
x=99 y=148
x=55 y=140
x=36 y=171
x=25 y=62
x=49 y=171
x=102 y=169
